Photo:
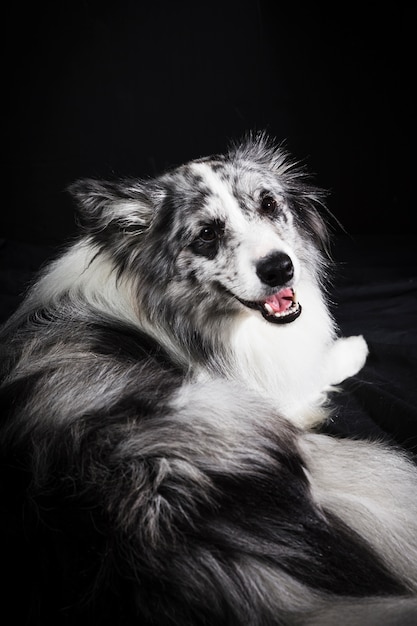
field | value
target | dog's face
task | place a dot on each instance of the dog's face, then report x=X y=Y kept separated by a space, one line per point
x=228 y=233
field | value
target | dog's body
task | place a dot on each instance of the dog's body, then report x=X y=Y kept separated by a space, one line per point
x=159 y=380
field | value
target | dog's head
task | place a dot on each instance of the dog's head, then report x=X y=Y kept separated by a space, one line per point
x=235 y=232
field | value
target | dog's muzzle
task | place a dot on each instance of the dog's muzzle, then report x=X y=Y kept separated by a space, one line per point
x=282 y=307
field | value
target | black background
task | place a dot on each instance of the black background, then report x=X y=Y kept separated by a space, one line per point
x=120 y=88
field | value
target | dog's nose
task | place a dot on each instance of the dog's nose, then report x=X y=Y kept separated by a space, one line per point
x=276 y=269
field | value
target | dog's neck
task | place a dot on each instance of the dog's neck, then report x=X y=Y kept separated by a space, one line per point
x=286 y=363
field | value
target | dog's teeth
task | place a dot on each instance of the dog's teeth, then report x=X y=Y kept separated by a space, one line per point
x=287 y=312
x=268 y=308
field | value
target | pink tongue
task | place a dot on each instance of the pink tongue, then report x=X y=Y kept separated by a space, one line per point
x=281 y=301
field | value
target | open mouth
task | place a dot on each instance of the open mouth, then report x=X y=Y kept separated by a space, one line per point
x=280 y=308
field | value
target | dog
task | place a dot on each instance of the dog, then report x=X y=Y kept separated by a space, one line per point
x=162 y=383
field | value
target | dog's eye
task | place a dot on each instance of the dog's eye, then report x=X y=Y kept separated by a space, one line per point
x=268 y=205
x=208 y=240
x=208 y=234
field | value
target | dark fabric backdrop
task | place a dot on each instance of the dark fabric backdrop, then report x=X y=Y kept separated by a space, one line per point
x=130 y=87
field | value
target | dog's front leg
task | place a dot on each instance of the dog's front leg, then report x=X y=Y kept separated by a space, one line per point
x=346 y=358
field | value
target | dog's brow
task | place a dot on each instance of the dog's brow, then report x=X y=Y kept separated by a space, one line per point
x=212 y=180
x=220 y=194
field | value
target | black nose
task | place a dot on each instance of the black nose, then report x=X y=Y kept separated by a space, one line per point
x=276 y=269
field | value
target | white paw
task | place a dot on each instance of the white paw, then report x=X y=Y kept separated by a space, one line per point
x=347 y=357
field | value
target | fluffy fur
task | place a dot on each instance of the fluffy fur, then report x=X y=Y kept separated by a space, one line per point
x=160 y=384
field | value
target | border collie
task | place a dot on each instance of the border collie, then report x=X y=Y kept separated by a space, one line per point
x=161 y=383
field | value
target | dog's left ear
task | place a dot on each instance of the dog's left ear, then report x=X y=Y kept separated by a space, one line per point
x=102 y=205
x=309 y=210
x=318 y=229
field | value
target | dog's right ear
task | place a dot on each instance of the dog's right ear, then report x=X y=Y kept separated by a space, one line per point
x=122 y=205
